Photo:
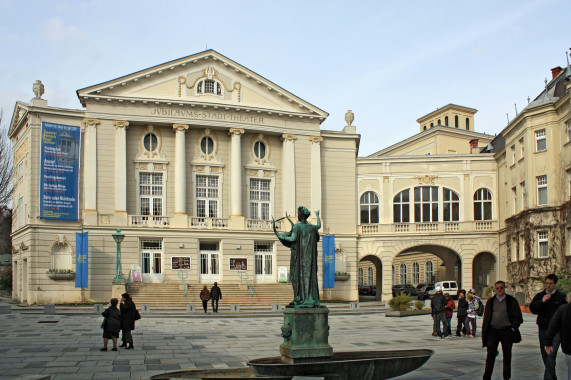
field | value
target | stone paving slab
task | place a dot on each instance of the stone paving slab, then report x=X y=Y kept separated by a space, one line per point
x=171 y=344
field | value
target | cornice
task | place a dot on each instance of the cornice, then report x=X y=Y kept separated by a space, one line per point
x=432 y=158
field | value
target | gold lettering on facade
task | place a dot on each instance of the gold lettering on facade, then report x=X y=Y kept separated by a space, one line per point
x=206 y=115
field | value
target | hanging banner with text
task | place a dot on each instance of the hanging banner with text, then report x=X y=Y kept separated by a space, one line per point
x=81 y=259
x=59 y=174
x=328 y=244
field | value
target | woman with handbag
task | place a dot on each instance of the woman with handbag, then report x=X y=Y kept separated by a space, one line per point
x=111 y=324
x=128 y=317
x=205 y=296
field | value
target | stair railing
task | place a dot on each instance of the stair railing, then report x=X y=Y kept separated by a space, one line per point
x=128 y=282
x=244 y=279
x=183 y=275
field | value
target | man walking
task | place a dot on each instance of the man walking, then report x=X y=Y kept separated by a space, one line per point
x=502 y=317
x=561 y=324
x=545 y=304
x=215 y=294
x=438 y=304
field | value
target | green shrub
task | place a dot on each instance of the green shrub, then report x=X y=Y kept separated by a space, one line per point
x=419 y=305
x=487 y=292
x=6 y=277
x=564 y=285
x=401 y=302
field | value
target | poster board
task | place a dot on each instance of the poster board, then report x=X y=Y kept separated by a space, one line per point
x=180 y=263
x=238 y=263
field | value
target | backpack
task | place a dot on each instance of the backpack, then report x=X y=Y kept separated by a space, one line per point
x=480 y=309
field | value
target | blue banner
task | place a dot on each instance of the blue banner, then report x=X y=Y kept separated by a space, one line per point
x=81 y=259
x=328 y=243
x=59 y=174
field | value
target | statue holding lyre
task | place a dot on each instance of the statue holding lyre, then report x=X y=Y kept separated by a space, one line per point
x=302 y=241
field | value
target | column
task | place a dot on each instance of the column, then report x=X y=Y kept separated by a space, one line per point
x=315 y=173
x=120 y=172
x=288 y=180
x=236 y=179
x=90 y=171
x=180 y=169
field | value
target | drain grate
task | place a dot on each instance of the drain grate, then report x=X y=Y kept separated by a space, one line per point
x=48 y=321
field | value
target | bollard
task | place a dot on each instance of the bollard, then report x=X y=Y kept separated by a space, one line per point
x=146 y=308
x=354 y=305
x=49 y=309
x=276 y=307
x=234 y=308
x=98 y=308
x=190 y=308
x=5 y=309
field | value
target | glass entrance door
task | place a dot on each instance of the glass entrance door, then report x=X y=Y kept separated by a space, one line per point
x=209 y=267
x=152 y=260
x=263 y=262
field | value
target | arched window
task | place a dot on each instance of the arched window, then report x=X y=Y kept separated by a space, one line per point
x=439 y=123
x=425 y=127
x=415 y=273
x=467 y=124
x=482 y=204
x=370 y=276
x=360 y=276
x=209 y=86
x=369 y=208
x=393 y=274
x=426 y=204
x=431 y=125
x=446 y=120
x=207 y=145
x=260 y=149
x=451 y=206
x=429 y=272
x=150 y=142
x=403 y=273
x=456 y=121
x=401 y=207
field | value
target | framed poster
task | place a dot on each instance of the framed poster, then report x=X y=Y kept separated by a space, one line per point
x=238 y=263
x=180 y=262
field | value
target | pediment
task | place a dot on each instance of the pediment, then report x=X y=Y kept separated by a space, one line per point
x=19 y=112
x=206 y=78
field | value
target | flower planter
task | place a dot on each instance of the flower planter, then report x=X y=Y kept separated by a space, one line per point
x=406 y=313
x=342 y=277
x=61 y=276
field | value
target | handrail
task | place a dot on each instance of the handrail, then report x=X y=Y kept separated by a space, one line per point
x=183 y=275
x=128 y=282
x=244 y=278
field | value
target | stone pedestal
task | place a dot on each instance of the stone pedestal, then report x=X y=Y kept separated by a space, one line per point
x=306 y=335
x=117 y=288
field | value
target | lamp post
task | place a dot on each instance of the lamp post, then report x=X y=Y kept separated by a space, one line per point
x=118 y=237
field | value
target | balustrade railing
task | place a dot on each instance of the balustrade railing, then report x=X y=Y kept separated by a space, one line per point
x=149 y=220
x=261 y=224
x=208 y=222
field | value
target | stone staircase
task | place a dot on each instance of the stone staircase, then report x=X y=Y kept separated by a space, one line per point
x=170 y=295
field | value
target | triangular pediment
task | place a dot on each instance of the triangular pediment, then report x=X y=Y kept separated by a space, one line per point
x=207 y=78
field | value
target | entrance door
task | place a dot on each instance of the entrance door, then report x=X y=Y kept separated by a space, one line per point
x=264 y=263
x=152 y=260
x=209 y=267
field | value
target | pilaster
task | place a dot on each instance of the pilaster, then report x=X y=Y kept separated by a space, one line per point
x=288 y=181
x=315 y=172
x=180 y=215
x=120 y=217
x=90 y=171
x=236 y=174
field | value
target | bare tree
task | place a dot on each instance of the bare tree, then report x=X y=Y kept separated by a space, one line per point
x=6 y=165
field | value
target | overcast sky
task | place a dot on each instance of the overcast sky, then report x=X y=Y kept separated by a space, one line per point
x=388 y=61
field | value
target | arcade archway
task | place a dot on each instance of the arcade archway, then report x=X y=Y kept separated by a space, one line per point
x=483 y=271
x=369 y=273
x=427 y=264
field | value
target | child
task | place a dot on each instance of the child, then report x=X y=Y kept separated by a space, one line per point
x=111 y=324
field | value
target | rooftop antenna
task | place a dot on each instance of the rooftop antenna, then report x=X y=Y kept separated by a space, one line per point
x=528 y=100
x=568 y=68
x=545 y=82
x=507 y=117
x=515 y=106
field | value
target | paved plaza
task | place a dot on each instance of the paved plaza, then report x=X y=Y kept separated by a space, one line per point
x=66 y=346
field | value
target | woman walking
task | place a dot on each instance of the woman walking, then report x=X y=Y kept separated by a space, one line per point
x=128 y=316
x=111 y=325
x=205 y=296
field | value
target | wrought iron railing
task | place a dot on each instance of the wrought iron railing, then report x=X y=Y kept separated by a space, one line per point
x=244 y=279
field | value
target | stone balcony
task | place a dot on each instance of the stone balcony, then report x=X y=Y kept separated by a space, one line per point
x=429 y=227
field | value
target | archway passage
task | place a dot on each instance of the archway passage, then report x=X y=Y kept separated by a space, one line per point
x=369 y=278
x=427 y=264
x=483 y=271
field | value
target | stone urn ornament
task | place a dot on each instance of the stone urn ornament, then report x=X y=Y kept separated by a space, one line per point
x=349 y=117
x=38 y=89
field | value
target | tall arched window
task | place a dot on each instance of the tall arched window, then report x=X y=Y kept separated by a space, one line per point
x=360 y=276
x=401 y=207
x=369 y=208
x=467 y=124
x=456 y=121
x=439 y=123
x=393 y=274
x=415 y=273
x=370 y=276
x=403 y=273
x=429 y=272
x=451 y=206
x=482 y=204
x=446 y=120
x=426 y=204
x=431 y=125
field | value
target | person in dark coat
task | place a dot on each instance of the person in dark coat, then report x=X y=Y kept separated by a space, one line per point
x=204 y=297
x=461 y=313
x=561 y=324
x=437 y=305
x=544 y=305
x=111 y=324
x=502 y=318
x=128 y=313
x=215 y=294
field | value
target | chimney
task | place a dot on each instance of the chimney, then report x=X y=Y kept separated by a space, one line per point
x=474 y=146
x=555 y=71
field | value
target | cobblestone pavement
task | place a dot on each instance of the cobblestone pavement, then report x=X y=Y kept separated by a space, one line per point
x=67 y=346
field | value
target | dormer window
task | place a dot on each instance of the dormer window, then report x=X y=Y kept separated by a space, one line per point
x=209 y=86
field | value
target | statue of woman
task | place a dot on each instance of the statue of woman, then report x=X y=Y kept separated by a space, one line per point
x=302 y=241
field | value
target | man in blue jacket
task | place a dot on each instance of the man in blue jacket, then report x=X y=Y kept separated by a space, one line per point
x=545 y=304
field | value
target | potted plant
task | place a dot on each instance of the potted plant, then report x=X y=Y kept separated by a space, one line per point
x=61 y=274
x=401 y=307
x=342 y=276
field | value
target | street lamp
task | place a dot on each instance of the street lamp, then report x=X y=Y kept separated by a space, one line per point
x=118 y=237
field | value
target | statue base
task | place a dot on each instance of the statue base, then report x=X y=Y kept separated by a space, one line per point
x=306 y=335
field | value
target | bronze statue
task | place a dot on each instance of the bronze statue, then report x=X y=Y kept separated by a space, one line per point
x=302 y=241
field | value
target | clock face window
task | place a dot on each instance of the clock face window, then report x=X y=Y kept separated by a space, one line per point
x=150 y=142
x=207 y=145
x=260 y=149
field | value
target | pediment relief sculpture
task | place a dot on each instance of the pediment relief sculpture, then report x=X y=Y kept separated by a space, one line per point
x=426 y=179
